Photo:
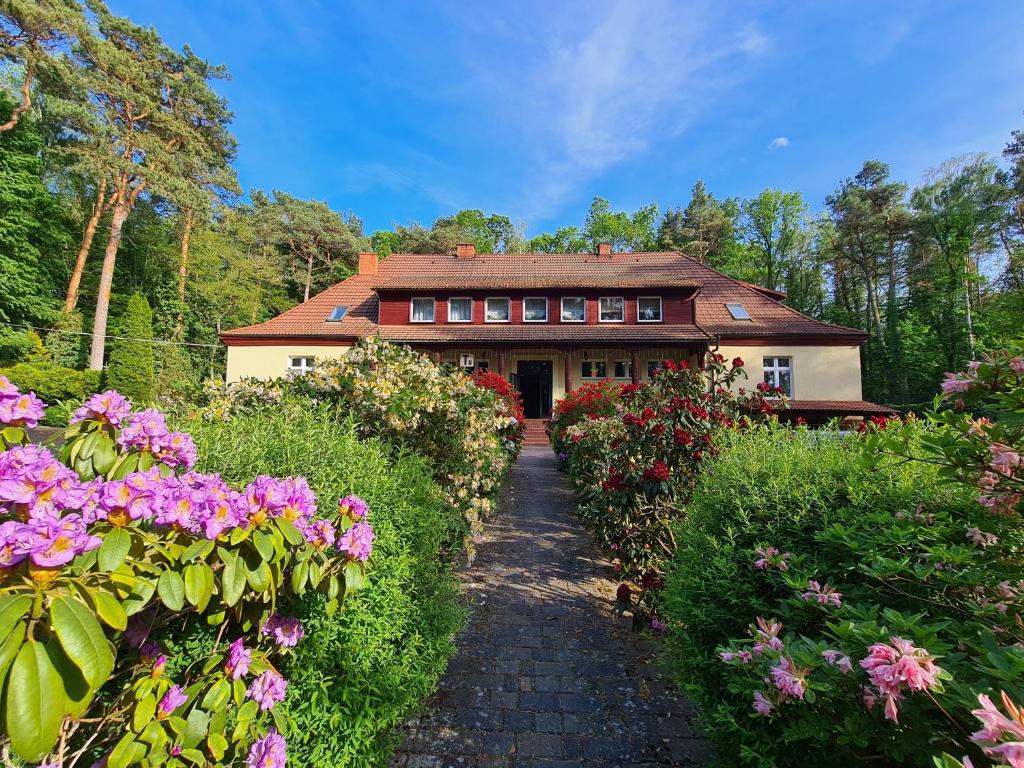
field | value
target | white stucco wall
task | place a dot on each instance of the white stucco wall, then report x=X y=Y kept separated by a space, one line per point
x=270 y=362
x=819 y=373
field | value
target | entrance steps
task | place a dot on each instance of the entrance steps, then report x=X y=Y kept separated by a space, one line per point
x=535 y=434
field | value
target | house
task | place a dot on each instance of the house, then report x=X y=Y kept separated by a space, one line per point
x=551 y=322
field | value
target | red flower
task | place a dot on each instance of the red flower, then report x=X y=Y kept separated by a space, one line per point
x=737 y=362
x=658 y=472
x=624 y=594
x=681 y=437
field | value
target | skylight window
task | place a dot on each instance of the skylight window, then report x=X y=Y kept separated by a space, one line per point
x=738 y=311
x=337 y=314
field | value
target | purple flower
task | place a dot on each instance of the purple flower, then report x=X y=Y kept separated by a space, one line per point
x=357 y=542
x=291 y=498
x=285 y=630
x=239 y=658
x=21 y=410
x=59 y=541
x=173 y=699
x=267 y=689
x=144 y=432
x=177 y=450
x=34 y=485
x=658 y=625
x=7 y=389
x=110 y=407
x=320 y=534
x=136 y=633
x=354 y=507
x=268 y=752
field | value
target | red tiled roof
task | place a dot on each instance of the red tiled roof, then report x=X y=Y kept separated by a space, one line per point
x=839 y=407
x=402 y=271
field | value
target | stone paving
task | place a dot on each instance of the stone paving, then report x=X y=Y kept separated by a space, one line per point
x=546 y=673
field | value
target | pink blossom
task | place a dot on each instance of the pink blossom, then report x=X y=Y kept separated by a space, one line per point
x=789 y=680
x=1005 y=460
x=7 y=389
x=267 y=689
x=744 y=657
x=56 y=542
x=982 y=539
x=1017 y=365
x=110 y=407
x=762 y=706
x=770 y=557
x=290 y=498
x=956 y=383
x=357 y=542
x=177 y=449
x=354 y=507
x=766 y=636
x=320 y=534
x=285 y=630
x=839 y=660
x=21 y=410
x=897 y=665
x=658 y=625
x=239 y=659
x=171 y=700
x=1001 y=736
x=822 y=595
x=268 y=752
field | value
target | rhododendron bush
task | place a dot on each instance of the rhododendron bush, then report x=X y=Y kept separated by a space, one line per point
x=113 y=550
x=849 y=599
x=469 y=433
x=634 y=469
x=591 y=401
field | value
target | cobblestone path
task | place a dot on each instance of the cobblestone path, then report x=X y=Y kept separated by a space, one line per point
x=546 y=673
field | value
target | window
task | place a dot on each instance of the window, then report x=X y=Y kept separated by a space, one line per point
x=422 y=310
x=535 y=309
x=652 y=366
x=460 y=310
x=594 y=369
x=778 y=372
x=301 y=365
x=482 y=365
x=648 y=309
x=738 y=311
x=623 y=369
x=613 y=309
x=574 y=309
x=497 y=311
x=337 y=314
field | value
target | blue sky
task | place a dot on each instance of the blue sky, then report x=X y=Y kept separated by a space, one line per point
x=409 y=111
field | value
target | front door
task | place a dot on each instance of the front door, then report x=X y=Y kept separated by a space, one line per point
x=533 y=378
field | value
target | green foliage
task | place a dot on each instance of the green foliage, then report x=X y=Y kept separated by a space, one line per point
x=53 y=383
x=15 y=346
x=130 y=370
x=65 y=340
x=364 y=670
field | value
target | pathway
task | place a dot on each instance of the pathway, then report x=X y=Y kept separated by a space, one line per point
x=547 y=674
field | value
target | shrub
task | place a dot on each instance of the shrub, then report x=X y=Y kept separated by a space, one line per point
x=66 y=341
x=362 y=671
x=512 y=406
x=16 y=346
x=130 y=367
x=593 y=400
x=54 y=384
x=140 y=608
x=811 y=563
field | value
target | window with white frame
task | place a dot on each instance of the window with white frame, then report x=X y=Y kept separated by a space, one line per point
x=612 y=309
x=593 y=369
x=648 y=309
x=574 y=309
x=300 y=366
x=778 y=372
x=535 y=309
x=623 y=369
x=422 y=310
x=460 y=309
x=497 y=310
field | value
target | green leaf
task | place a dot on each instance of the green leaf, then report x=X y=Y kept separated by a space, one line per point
x=10 y=647
x=198 y=548
x=232 y=579
x=82 y=638
x=217 y=696
x=104 y=456
x=264 y=545
x=196 y=727
x=289 y=531
x=198 y=584
x=259 y=578
x=109 y=609
x=355 y=576
x=34 y=703
x=171 y=588
x=114 y=550
x=77 y=693
x=12 y=609
x=217 y=745
x=126 y=752
x=144 y=712
x=299 y=575
x=194 y=756
x=247 y=711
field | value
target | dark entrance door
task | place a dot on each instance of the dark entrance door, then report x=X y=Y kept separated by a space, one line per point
x=533 y=378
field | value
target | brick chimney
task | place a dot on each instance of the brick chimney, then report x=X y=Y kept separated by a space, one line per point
x=465 y=250
x=368 y=263
x=604 y=249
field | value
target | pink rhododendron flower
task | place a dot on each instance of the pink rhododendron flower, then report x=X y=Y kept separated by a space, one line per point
x=320 y=534
x=290 y=498
x=285 y=630
x=982 y=539
x=770 y=557
x=658 y=625
x=788 y=679
x=1017 y=365
x=21 y=410
x=744 y=657
x=110 y=407
x=357 y=542
x=354 y=507
x=56 y=542
x=762 y=706
x=267 y=689
x=897 y=665
x=239 y=659
x=838 y=659
x=1002 y=735
x=268 y=752
x=1005 y=460
x=822 y=595
x=955 y=383
x=171 y=700
x=766 y=636
x=177 y=449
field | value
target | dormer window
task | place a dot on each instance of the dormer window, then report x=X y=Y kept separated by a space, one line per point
x=574 y=309
x=460 y=310
x=421 y=310
x=337 y=314
x=535 y=309
x=612 y=309
x=648 y=309
x=498 y=310
x=738 y=311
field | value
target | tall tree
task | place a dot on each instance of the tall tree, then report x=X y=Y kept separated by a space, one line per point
x=771 y=223
x=705 y=230
x=562 y=240
x=624 y=231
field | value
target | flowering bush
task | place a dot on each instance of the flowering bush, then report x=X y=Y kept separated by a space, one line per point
x=874 y=586
x=593 y=400
x=510 y=403
x=634 y=469
x=105 y=549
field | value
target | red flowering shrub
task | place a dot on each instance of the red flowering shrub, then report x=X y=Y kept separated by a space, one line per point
x=512 y=401
x=634 y=460
x=594 y=400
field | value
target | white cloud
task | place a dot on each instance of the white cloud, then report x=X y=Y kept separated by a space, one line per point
x=779 y=142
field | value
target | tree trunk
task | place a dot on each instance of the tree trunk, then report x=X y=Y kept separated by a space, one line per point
x=968 y=318
x=99 y=326
x=26 y=100
x=309 y=276
x=71 y=299
x=186 y=236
